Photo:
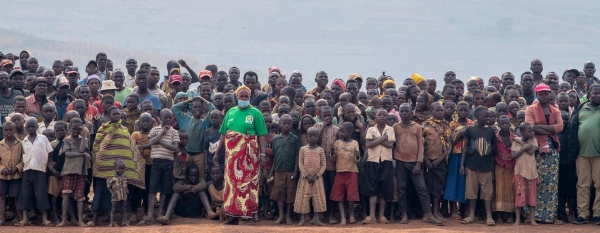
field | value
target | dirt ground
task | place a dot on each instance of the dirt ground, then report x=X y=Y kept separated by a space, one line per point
x=196 y=225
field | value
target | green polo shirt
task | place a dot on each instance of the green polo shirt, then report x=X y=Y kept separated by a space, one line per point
x=589 y=131
x=246 y=121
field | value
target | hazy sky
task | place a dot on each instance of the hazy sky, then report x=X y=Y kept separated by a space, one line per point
x=481 y=38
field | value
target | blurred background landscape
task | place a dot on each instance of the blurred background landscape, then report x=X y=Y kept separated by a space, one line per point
x=471 y=37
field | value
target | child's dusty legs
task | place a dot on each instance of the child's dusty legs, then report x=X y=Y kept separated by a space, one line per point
x=164 y=200
x=332 y=219
x=80 y=214
x=288 y=217
x=65 y=208
x=280 y=206
x=372 y=205
x=436 y=208
x=518 y=214
x=351 y=205
x=205 y=202
x=454 y=210
x=123 y=212
x=316 y=220
x=532 y=215
x=488 y=213
x=112 y=213
x=382 y=218
x=2 y=208
x=53 y=201
x=342 y=213
x=172 y=204
x=392 y=207
x=471 y=216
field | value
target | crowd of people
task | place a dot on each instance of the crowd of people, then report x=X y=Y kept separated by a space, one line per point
x=84 y=146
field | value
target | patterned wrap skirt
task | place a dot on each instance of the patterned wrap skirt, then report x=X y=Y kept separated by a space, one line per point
x=242 y=168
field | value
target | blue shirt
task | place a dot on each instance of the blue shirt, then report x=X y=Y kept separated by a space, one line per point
x=155 y=101
x=61 y=110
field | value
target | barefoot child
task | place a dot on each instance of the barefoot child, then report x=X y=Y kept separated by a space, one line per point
x=19 y=121
x=211 y=139
x=409 y=159
x=74 y=172
x=56 y=163
x=328 y=133
x=436 y=133
x=48 y=113
x=34 y=187
x=346 y=154
x=186 y=201
x=311 y=163
x=117 y=185
x=11 y=167
x=141 y=141
x=526 y=176
x=266 y=186
x=379 y=169
x=181 y=156
x=504 y=199
x=477 y=163
x=285 y=168
x=213 y=202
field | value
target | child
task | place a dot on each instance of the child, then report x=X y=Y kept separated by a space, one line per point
x=76 y=163
x=455 y=181
x=311 y=163
x=213 y=204
x=513 y=109
x=409 y=159
x=345 y=152
x=181 y=156
x=48 y=113
x=148 y=107
x=19 y=121
x=375 y=103
x=164 y=140
x=283 y=110
x=328 y=134
x=567 y=177
x=392 y=119
x=117 y=185
x=267 y=187
x=526 y=176
x=56 y=163
x=11 y=167
x=310 y=107
x=80 y=107
x=19 y=106
x=142 y=142
x=186 y=201
x=49 y=133
x=306 y=122
x=295 y=122
x=504 y=201
x=379 y=170
x=520 y=120
x=501 y=109
x=480 y=144
x=285 y=168
x=436 y=133
x=211 y=139
x=34 y=187
x=265 y=106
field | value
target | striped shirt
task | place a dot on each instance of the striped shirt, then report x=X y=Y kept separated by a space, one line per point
x=158 y=150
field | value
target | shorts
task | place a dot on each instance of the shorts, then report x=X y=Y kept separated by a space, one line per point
x=10 y=188
x=34 y=191
x=55 y=186
x=74 y=184
x=345 y=184
x=477 y=180
x=200 y=161
x=284 y=188
x=379 y=180
x=161 y=177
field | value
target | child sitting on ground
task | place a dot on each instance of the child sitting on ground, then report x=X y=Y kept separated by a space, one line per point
x=186 y=201
x=213 y=204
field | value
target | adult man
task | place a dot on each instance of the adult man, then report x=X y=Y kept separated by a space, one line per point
x=67 y=62
x=168 y=100
x=431 y=86
x=152 y=78
x=274 y=74
x=6 y=65
x=527 y=81
x=358 y=78
x=7 y=96
x=61 y=99
x=58 y=67
x=250 y=80
x=38 y=99
x=507 y=79
x=17 y=79
x=131 y=66
x=103 y=73
x=583 y=144
x=589 y=68
x=91 y=69
x=141 y=80
x=32 y=64
x=570 y=75
x=72 y=73
x=321 y=78
x=234 y=76
x=449 y=76
x=221 y=80
x=122 y=91
x=537 y=68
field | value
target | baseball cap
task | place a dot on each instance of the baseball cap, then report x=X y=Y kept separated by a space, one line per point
x=355 y=76
x=15 y=72
x=542 y=87
x=92 y=62
x=62 y=81
x=574 y=71
x=175 y=78
x=5 y=62
x=205 y=73
x=108 y=85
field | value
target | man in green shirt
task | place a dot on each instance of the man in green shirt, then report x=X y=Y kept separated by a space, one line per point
x=588 y=159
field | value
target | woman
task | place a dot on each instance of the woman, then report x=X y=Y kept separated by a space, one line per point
x=547 y=123
x=338 y=87
x=113 y=142
x=242 y=138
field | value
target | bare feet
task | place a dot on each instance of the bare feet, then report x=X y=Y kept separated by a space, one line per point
x=112 y=224
x=279 y=220
x=126 y=224
x=404 y=218
x=301 y=223
x=510 y=219
x=352 y=219
x=289 y=220
x=557 y=222
x=368 y=220
x=499 y=219
x=455 y=216
x=315 y=221
x=533 y=223
x=332 y=219
x=468 y=220
x=61 y=224
x=383 y=220
x=343 y=222
x=517 y=222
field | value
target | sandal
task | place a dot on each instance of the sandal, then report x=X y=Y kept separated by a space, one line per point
x=146 y=222
x=163 y=221
x=435 y=221
x=490 y=222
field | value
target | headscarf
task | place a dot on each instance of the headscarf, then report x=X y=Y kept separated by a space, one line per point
x=93 y=77
x=181 y=94
x=443 y=129
x=417 y=78
x=476 y=78
x=241 y=88
x=339 y=82
x=421 y=116
x=493 y=77
x=387 y=82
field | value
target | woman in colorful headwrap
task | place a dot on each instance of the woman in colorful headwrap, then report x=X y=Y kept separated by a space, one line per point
x=547 y=123
x=338 y=87
x=422 y=108
x=113 y=142
x=242 y=138
x=419 y=81
x=495 y=82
